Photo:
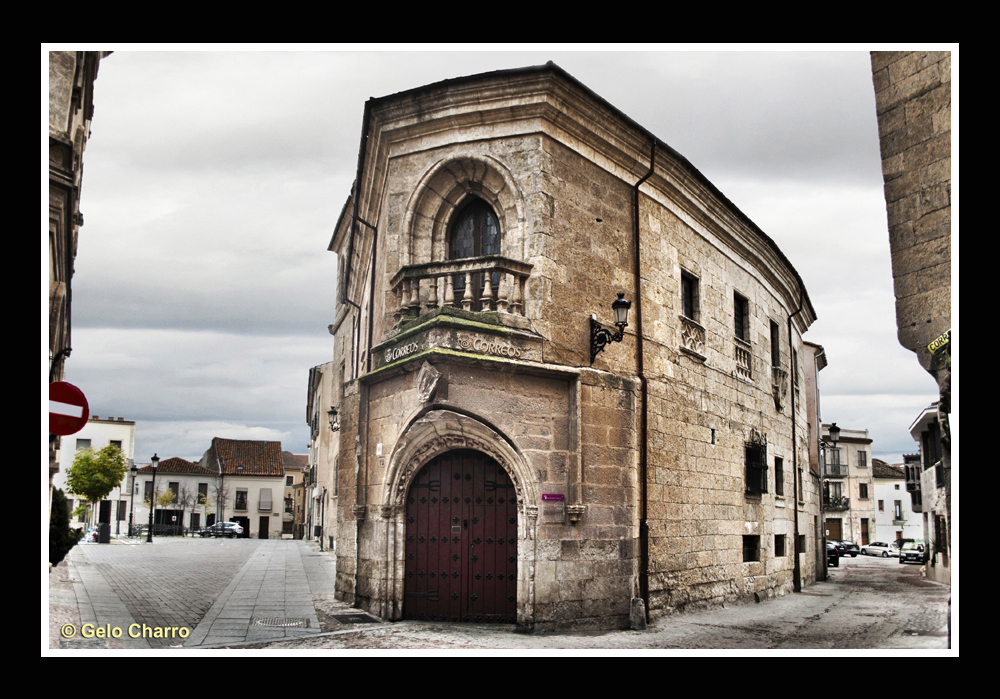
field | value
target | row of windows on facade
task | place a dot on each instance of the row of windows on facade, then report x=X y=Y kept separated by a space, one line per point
x=690 y=309
x=835 y=490
x=476 y=232
x=834 y=457
x=755 y=480
x=240 y=502
x=752 y=551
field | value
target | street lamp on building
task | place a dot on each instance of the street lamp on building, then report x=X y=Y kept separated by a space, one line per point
x=599 y=336
x=154 y=462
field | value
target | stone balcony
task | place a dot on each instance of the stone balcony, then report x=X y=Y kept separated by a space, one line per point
x=422 y=288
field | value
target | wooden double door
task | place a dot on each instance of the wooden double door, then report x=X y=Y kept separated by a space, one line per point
x=461 y=541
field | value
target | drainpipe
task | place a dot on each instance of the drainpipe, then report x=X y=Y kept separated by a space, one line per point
x=644 y=400
x=797 y=570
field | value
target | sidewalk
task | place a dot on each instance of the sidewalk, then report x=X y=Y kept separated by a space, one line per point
x=271 y=598
x=220 y=592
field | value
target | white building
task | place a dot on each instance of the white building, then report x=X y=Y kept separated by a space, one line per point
x=98 y=433
x=894 y=517
x=192 y=485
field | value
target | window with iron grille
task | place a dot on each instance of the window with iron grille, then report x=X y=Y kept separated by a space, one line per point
x=755 y=451
x=751 y=548
x=863 y=491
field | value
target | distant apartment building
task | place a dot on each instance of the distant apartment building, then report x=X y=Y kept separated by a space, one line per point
x=98 y=433
x=849 y=486
x=894 y=518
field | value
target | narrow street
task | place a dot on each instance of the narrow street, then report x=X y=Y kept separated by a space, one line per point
x=246 y=594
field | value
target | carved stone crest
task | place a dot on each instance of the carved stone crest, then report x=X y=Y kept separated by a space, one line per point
x=427 y=382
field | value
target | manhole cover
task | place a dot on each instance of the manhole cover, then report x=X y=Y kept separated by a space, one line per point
x=280 y=622
x=355 y=619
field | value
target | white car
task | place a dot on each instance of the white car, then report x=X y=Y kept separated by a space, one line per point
x=881 y=548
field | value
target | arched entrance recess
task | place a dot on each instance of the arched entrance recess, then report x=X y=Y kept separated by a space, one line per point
x=434 y=431
x=461 y=541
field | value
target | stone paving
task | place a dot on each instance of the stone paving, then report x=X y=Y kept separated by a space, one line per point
x=249 y=595
x=218 y=591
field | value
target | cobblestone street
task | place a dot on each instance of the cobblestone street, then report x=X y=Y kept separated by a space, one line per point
x=252 y=595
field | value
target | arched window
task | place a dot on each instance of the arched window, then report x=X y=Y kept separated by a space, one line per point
x=475 y=232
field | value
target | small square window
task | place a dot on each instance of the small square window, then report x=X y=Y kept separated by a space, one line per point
x=751 y=548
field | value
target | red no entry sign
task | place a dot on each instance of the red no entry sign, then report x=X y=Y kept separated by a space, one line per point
x=68 y=409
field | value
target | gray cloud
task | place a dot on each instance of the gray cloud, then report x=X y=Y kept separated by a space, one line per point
x=213 y=181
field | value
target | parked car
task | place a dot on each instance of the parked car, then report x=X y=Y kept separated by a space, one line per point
x=881 y=548
x=832 y=554
x=846 y=548
x=230 y=529
x=912 y=551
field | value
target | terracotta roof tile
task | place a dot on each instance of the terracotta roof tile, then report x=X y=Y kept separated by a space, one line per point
x=884 y=470
x=249 y=457
x=295 y=461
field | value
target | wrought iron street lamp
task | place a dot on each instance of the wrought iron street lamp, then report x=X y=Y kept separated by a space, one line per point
x=131 y=499
x=600 y=336
x=334 y=420
x=155 y=461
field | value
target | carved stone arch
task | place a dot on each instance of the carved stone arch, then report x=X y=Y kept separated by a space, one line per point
x=439 y=430
x=443 y=189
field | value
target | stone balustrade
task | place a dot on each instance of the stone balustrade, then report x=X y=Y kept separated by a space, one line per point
x=431 y=285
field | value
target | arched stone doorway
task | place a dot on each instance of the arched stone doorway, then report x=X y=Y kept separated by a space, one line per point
x=461 y=541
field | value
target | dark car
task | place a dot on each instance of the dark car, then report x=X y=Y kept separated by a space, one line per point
x=230 y=529
x=832 y=555
x=911 y=551
x=847 y=548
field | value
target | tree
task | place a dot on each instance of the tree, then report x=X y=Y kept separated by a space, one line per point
x=61 y=536
x=94 y=474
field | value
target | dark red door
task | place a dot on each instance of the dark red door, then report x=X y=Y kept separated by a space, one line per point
x=461 y=541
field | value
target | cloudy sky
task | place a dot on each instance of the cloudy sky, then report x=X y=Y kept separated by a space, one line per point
x=213 y=179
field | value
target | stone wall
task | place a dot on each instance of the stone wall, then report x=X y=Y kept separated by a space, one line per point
x=562 y=425
x=913 y=103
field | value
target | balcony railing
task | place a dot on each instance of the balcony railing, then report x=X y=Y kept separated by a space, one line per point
x=837 y=502
x=431 y=285
x=835 y=470
x=743 y=359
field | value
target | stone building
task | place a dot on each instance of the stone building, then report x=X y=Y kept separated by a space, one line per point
x=489 y=465
x=71 y=108
x=849 y=487
x=913 y=106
